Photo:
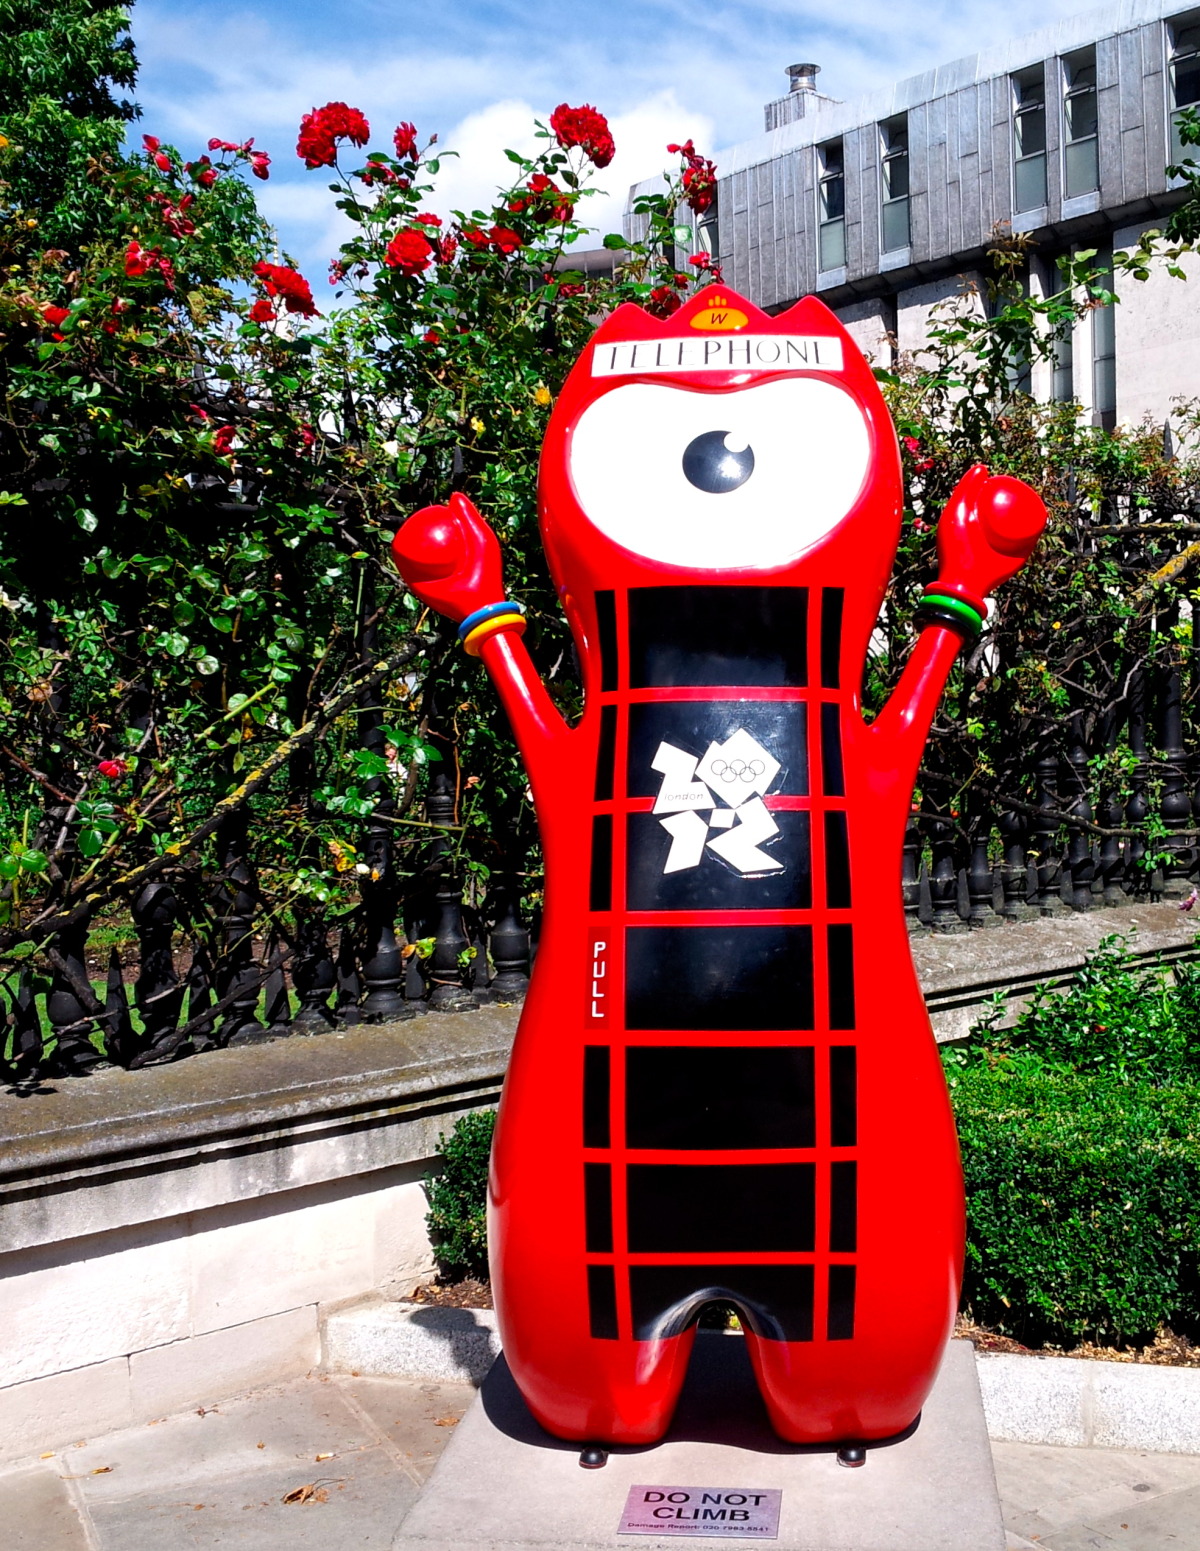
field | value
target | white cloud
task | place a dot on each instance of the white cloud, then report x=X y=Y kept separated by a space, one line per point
x=479 y=71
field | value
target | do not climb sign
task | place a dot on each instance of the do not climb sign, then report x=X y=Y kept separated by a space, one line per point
x=712 y=1511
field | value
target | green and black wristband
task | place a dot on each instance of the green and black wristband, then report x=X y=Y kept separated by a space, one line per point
x=942 y=609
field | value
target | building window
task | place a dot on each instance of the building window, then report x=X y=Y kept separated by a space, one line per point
x=708 y=231
x=895 y=228
x=1029 y=138
x=1062 y=386
x=1104 y=348
x=831 y=206
x=1185 y=81
x=1081 y=142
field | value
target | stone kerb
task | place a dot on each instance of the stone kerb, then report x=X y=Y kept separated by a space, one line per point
x=1068 y=1402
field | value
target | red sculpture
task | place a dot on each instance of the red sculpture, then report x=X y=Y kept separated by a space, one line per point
x=724 y=1085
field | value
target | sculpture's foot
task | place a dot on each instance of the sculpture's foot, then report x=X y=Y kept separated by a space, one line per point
x=593 y=1457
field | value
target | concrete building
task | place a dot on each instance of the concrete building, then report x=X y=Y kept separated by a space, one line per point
x=885 y=205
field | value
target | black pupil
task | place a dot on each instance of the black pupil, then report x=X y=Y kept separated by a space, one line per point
x=710 y=465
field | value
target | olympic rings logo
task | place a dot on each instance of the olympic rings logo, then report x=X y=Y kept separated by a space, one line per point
x=731 y=770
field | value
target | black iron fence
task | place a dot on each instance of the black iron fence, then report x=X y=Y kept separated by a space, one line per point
x=1094 y=805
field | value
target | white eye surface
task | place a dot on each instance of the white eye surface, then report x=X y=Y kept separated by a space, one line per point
x=718 y=481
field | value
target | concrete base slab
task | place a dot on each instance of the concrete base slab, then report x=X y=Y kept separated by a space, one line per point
x=503 y=1483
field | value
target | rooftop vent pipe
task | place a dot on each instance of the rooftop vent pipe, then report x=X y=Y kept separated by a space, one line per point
x=803 y=78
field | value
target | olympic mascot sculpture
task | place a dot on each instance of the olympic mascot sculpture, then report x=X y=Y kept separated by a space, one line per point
x=724 y=1085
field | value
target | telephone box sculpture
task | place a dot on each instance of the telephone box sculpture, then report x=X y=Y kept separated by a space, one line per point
x=724 y=1084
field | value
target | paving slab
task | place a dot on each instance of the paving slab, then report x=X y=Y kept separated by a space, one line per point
x=1064 y=1499
x=217 y=1477
x=504 y=1483
x=38 y=1514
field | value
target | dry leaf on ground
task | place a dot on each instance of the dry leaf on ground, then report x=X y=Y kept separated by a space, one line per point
x=446 y=1421
x=310 y=1492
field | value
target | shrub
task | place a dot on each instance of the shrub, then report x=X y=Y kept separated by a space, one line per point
x=457 y=1190
x=1117 y=1020
x=1080 y=1137
x=1083 y=1203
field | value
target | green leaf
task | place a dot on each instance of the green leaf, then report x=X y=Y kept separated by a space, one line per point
x=207 y=664
x=34 y=861
x=615 y=243
x=182 y=612
x=10 y=866
x=90 y=842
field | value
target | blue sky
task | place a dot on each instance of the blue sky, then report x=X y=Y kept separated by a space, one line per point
x=477 y=74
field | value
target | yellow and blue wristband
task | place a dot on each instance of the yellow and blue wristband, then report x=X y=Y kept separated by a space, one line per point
x=490 y=620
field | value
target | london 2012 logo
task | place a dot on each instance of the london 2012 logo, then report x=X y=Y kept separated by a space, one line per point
x=721 y=791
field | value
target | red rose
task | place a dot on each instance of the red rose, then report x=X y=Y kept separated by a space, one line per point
x=112 y=769
x=585 y=128
x=259 y=162
x=432 y=337
x=321 y=129
x=700 y=186
x=135 y=259
x=262 y=311
x=428 y=220
x=55 y=315
x=570 y=290
x=701 y=260
x=539 y=183
x=279 y=280
x=662 y=302
x=410 y=252
x=504 y=240
x=377 y=172
x=151 y=142
x=405 y=141
x=140 y=261
x=223 y=440
x=446 y=249
x=475 y=237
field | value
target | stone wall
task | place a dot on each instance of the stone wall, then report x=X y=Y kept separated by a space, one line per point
x=171 y=1236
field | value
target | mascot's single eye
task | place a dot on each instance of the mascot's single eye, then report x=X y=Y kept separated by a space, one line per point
x=644 y=477
x=718 y=461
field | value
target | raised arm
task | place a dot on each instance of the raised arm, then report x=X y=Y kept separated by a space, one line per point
x=988 y=530
x=449 y=557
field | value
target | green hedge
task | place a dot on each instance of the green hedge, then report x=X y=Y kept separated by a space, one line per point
x=457 y=1191
x=1083 y=1202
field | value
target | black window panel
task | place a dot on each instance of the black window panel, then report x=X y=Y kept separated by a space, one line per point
x=843 y=1096
x=600 y=891
x=606 y=753
x=839 y=1325
x=602 y=1303
x=718 y=977
x=597 y=1207
x=840 y=941
x=832 y=779
x=775 y=1302
x=678 y=1208
x=837 y=862
x=843 y=1208
x=596 y=1088
x=832 y=599
x=713 y=884
x=781 y=726
x=606 y=625
x=719 y=1096
x=717 y=635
